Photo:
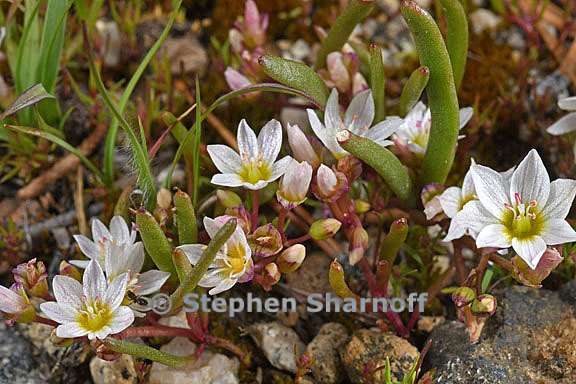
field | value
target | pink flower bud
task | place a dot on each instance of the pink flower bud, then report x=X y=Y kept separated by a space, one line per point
x=291 y=259
x=32 y=277
x=534 y=277
x=329 y=185
x=429 y=197
x=339 y=74
x=294 y=184
x=301 y=147
x=265 y=241
x=235 y=79
x=358 y=245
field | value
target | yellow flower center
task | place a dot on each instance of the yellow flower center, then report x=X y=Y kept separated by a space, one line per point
x=255 y=170
x=522 y=220
x=94 y=316
x=236 y=258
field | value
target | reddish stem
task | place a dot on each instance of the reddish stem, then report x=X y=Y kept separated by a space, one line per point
x=281 y=220
x=297 y=240
x=42 y=320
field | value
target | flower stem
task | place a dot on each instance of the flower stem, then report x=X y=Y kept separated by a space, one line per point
x=255 y=208
x=43 y=320
x=281 y=221
x=297 y=240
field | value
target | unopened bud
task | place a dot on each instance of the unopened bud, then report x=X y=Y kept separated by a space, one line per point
x=291 y=259
x=301 y=147
x=329 y=185
x=228 y=199
x=358 y=245
x=67 y=269
x=324 y=229
x=361 y=206
x=484 y=305
x=164 y=198
x=350 y=166
x=463 y=296
x=270 y=276
x=429 y=197
x=534 y=277
x=242 y=216
x=32 y=277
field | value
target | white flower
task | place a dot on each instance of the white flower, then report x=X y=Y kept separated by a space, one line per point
x=414 y=129
x=567 y=123
x=116 y=251
x=233 y=263
x=453 y=200
x=294 y=184
x=357 y=119
x=526 y=213
x=92 y=308
x=256 y=165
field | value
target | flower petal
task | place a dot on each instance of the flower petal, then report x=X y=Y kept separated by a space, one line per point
x=94 y=281
x=224 y=285
x=119 y=230
x=224 y=158
x=451 y=199
x=227 y=180
x=193 y=251
x=279 y=167
x=530 y=250
x=87 y=246
x=562 y=192
x=381 y=132
x=122 y=318
x=465 y=116
x=235 y=79
x=558 y=231
x=10 y=301
x=565 y=124
x=531 y=180
x=270 y=140
x=59 y=312
x=493 y=235
x=328 y=138
x=567 y=103
x=360 y=112
x=100 y=232
x=247 y=141
x=70 y=330
x=491 y=189
x=151 y=281
x=116 y=291
x=332 y=120
x=67 y=290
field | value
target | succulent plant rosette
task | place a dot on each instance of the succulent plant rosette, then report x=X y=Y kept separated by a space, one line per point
x=366 y=179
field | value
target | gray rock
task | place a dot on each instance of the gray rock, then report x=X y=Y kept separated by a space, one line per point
x=529 y=340
x=323 y=349
x=17 y=362
x=280 y=344
x=121 y=371
x=368 y=350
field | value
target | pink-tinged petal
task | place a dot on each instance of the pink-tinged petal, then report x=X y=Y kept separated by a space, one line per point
x=122 y=318
x=70 y=330
x=224 y=158
x=116 y=291
x=235 y=79
x=565 y=124
x=465 y=116
x=270 y=140
x=531 y=180
x=60 y=313
x=10 y=301
x=67 y=291
x=135 y=258
x=151 y=281
x=94 y=282
x=87 y=246
x=224 y=285
x=326 y=179
x=248 y=274
x=451 y=200
x=562 y=193
x=338 y=71
x=360 y=112
x=359 y=83
x=251 y=13
x=100 y=232
x=119 y=230
x=247 y=141
x=227 y=180
x=530 y=250
x=558 y=231
x=493 y=235
x=491 y=189
x=300 y=146
x=567 y=103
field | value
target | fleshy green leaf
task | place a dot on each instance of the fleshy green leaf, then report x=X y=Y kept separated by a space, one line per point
x=413 y=89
